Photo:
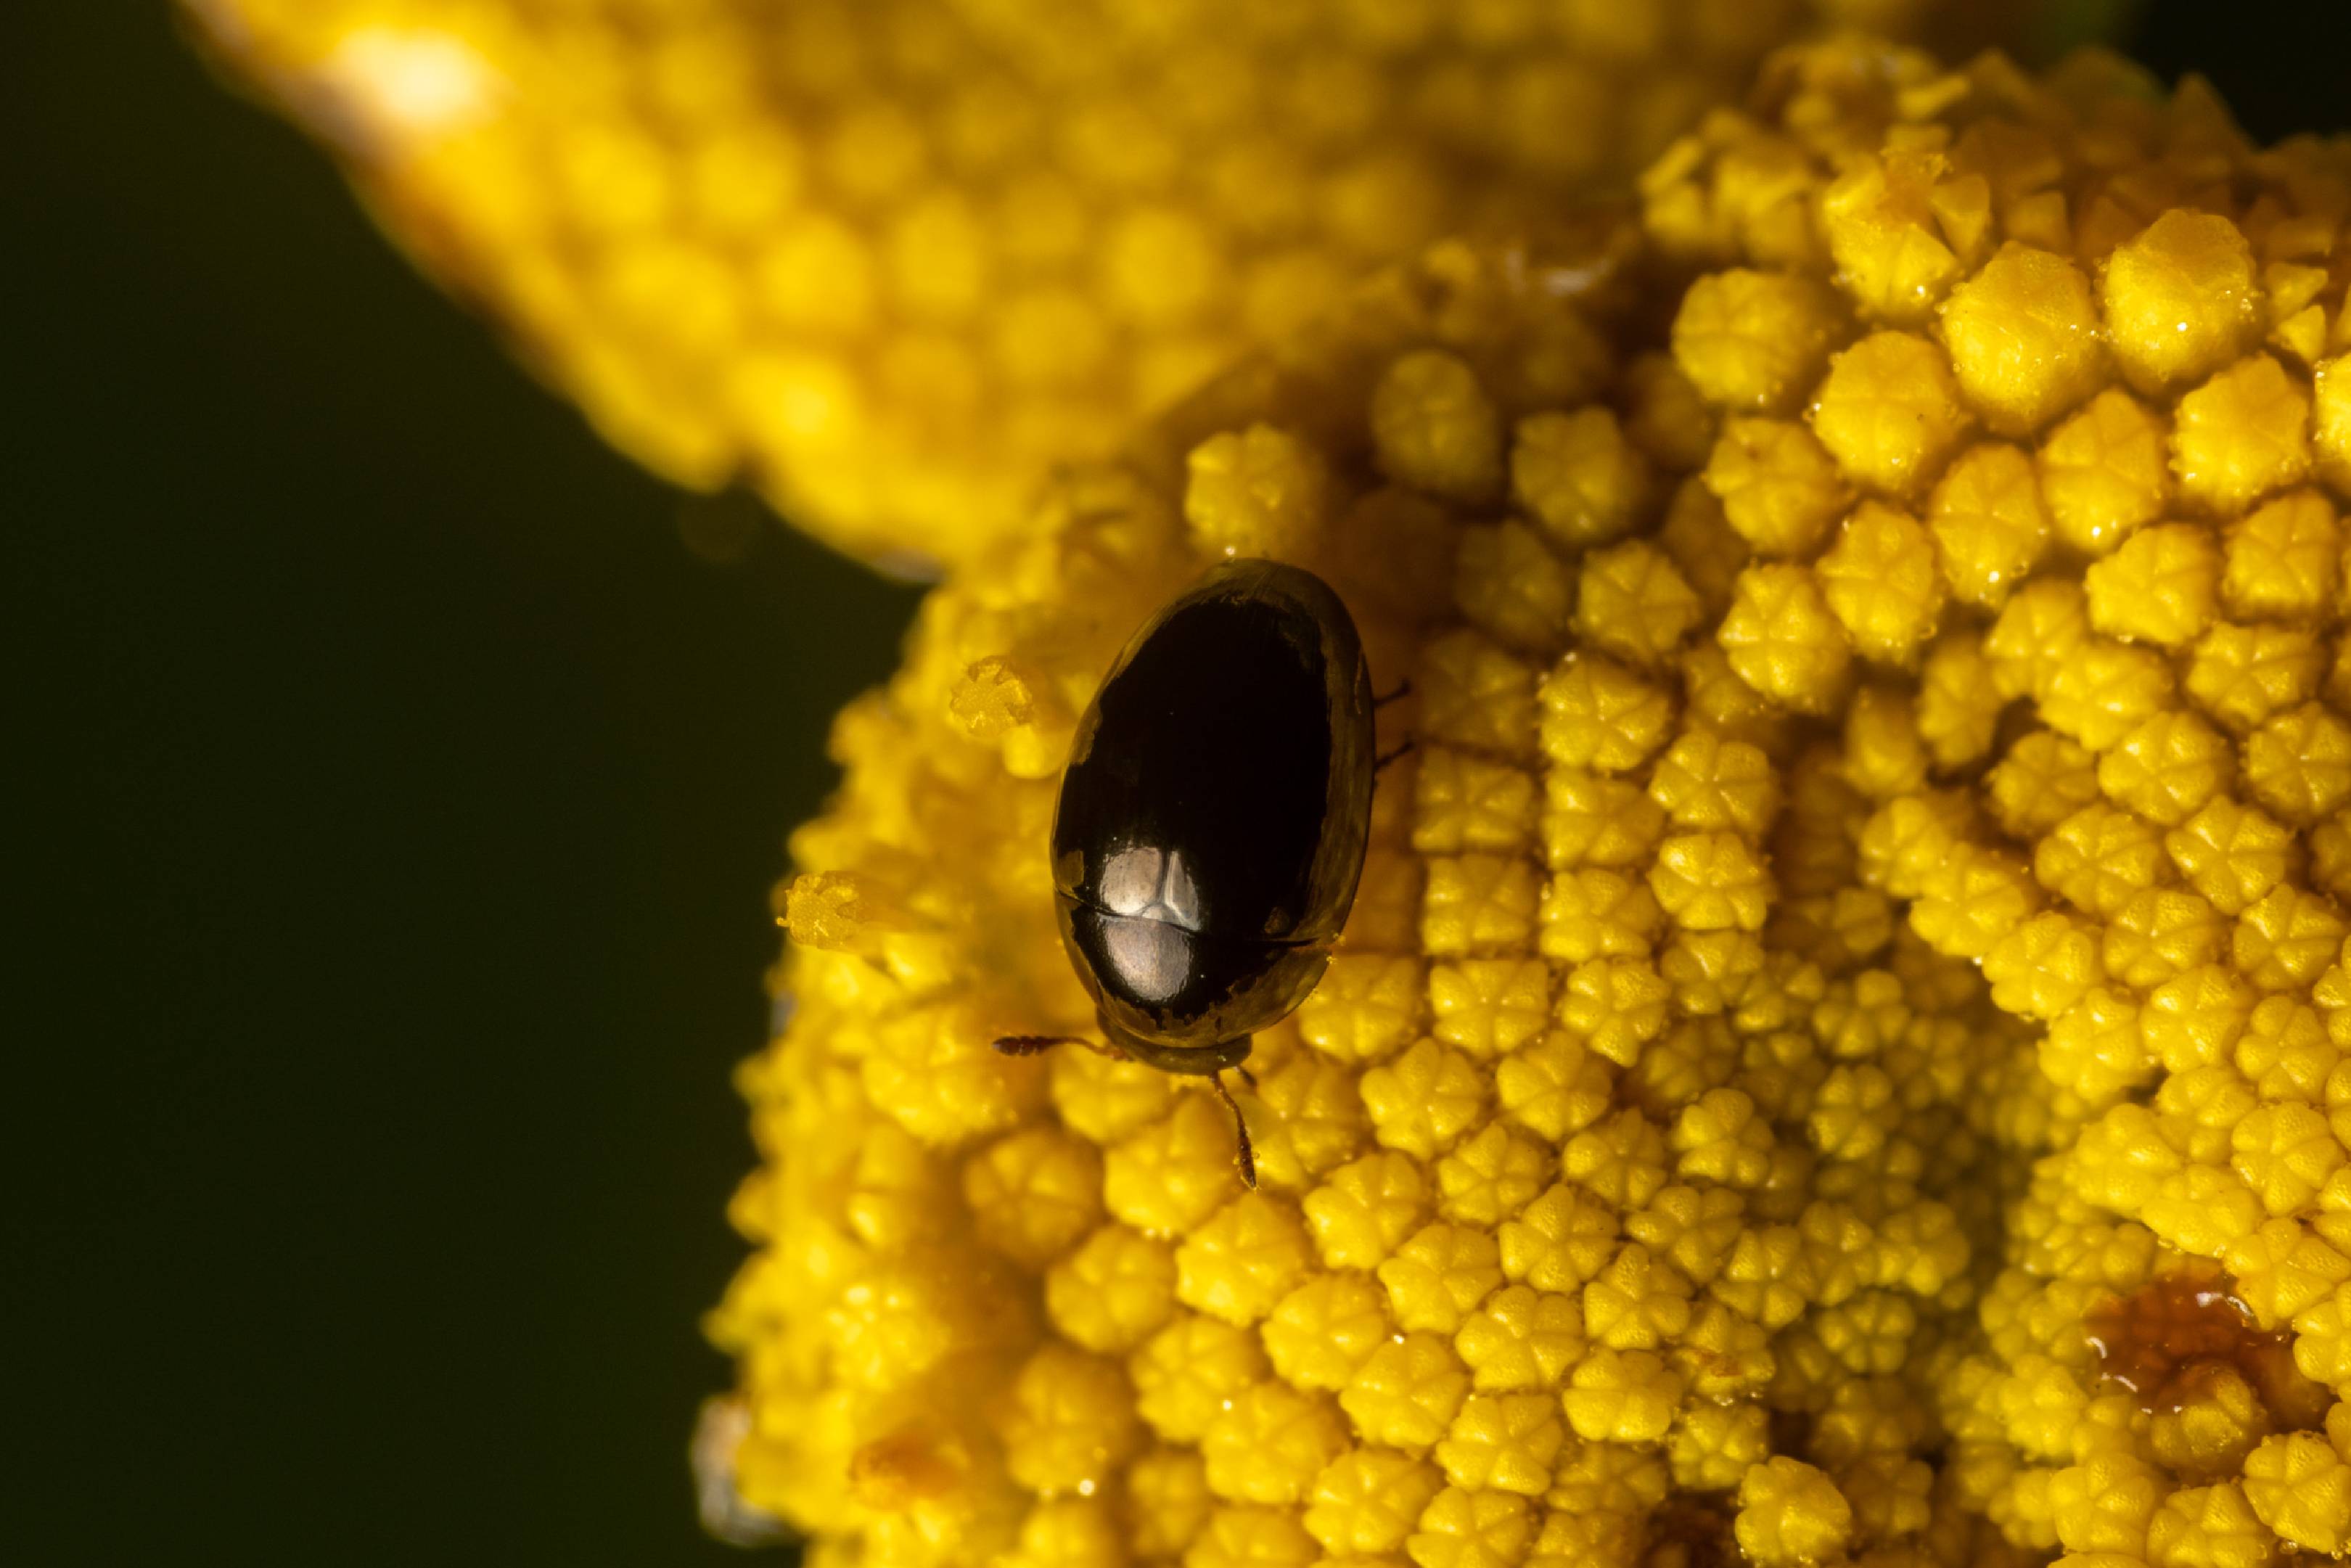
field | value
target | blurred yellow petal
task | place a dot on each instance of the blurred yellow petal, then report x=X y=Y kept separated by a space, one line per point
x=893 y=260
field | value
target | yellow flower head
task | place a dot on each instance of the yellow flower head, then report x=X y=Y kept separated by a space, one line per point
x=892 y=260
x=1860 y=924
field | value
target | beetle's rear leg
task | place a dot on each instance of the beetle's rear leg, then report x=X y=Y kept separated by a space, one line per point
x=1036 y=1044
x=1380 y=763
x=1404 y=690
x=1244 y=1156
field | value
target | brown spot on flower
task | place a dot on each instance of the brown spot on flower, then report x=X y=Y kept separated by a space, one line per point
x=2183 y=1343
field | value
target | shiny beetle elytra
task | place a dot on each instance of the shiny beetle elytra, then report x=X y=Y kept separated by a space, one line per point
x=1213 y=819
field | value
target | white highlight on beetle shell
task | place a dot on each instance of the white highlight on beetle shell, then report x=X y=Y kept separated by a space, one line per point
x=1158 y=905
x=1153 y=958
x=1151 y=883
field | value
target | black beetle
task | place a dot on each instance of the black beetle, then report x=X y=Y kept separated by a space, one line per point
x=1213 y=819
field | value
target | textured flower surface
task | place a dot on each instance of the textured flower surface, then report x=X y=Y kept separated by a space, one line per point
x=893 y=259
x=1838 y=1055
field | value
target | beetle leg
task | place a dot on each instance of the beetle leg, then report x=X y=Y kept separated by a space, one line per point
x=1034 y=1044
x=1380 y=763
x=1403 y=689
x=1244 y=1156
x=1247 y=1076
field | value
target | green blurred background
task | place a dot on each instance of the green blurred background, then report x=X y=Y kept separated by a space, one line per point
x=400 y=778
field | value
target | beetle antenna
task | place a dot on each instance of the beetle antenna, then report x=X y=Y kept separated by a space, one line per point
x=1033 y=1044
x=1246 y=1155
x=1036 y=1044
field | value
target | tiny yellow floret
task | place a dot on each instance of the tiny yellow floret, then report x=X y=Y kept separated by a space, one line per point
x=1791 y=1513
x=2162 y=586
x=2179 y=299
x=1754 y=342
x=1579 y=477
x=2106 y=471
x=1435 y=430
x=1784 y=639
x=1884 y=583
x=2301 y=1487
x=1263 y=491
x=1890 y=410
x=1780 y=490
x=1989 y=523
x=2023 y=338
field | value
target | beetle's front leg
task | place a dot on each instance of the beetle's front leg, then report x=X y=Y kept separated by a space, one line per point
x=1243 y=1155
